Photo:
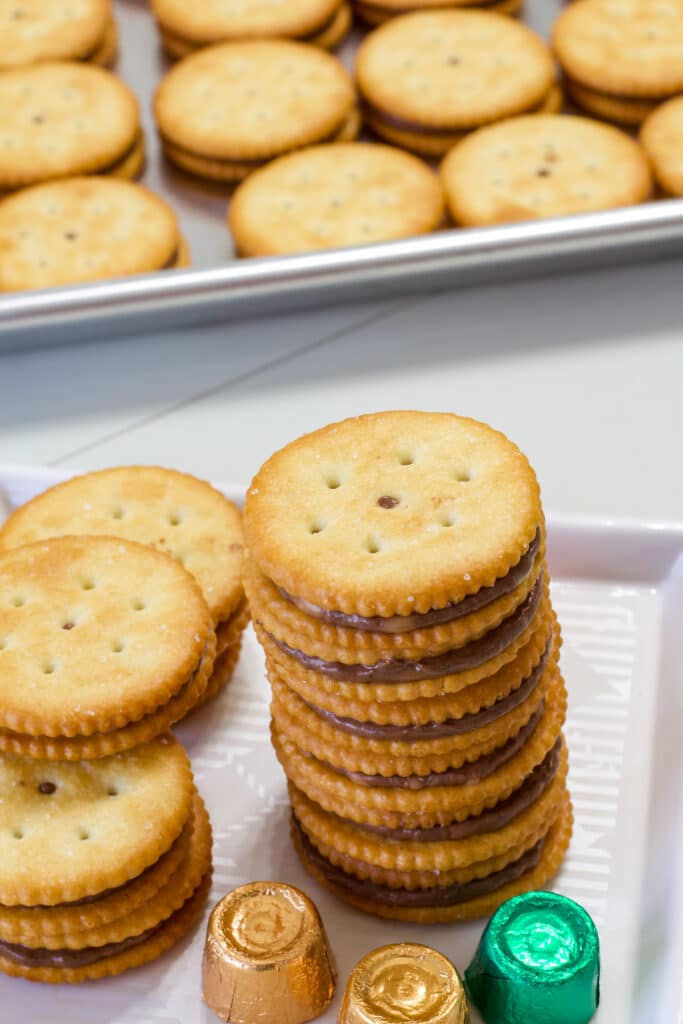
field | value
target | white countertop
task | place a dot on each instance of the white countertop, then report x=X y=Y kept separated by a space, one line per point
x=584 y=372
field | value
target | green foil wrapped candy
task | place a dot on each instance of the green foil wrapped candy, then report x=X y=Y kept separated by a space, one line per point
x=538 y=962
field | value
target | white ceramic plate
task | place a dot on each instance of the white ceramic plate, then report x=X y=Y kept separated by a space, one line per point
x=618 y=592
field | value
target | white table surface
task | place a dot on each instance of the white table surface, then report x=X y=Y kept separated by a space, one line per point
x=584 y=372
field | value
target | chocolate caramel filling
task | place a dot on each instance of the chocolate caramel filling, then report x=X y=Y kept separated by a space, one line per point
x=435 y=616
x=387 y=11
x=468 y=773
x=471 y=655
x=620 y=97
x=490 y=820
x=108 y=168
x=27 y=957
x=439 y=730
x=436 y=896
x=402 y=124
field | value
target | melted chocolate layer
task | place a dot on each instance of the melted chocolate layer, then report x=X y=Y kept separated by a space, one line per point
x=471 y=771
x=437 y=896
x=488 y=821
x=27 y=957
x=471 y=655
x=436 y=616
x=438 y=730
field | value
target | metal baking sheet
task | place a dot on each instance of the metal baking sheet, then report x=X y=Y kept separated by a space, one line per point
x=219 y=287
x=618 y=591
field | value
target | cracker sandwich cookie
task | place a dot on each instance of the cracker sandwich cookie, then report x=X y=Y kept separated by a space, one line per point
x=331 y=196
x=375 y=12
x=37 y=30
x=104 y=643
x=85 y=229
x=662 y=139
x=542 y=165
x=397 y=580
x=187 y=27
x=173 y=512
x=620 y=58
x=428 y=77
x=279 y=95
x=89 y=888
x=63 y=118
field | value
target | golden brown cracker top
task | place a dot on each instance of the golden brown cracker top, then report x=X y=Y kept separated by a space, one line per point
x=453 y=69
x=68 y=831
x=95 y=632
x=335 y=195
x=174 y=512
x=212 y=21
x=83 y=229
x=662 y=139
x=624 y=47
x=62 y=118
x=392 y=513
x=542 y=165
x=279 y=94
x=38 y=30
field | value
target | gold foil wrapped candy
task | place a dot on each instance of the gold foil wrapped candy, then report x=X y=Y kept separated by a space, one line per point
x=404 y=982
x=266 y=957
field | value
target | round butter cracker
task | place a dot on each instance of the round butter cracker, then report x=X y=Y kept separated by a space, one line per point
x=543 y=165
x=38 y=30
x=332 y=196
x=83 y=229
x=281 y=95
x=628 y=49
x=95 y=633
x=60 y=119
x=435 y=73
x=70 y=831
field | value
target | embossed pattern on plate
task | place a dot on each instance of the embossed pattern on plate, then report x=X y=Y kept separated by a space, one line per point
x=618 y=591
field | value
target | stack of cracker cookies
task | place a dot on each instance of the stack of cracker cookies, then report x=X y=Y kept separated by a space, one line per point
x=173 y=512
x=121 y=610
x=397 y=580
x=105 y=864
x=104 y=844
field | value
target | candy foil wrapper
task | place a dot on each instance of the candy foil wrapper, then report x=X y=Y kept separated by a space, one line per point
x=538 y=962
x=404 y=982
x=266 y=957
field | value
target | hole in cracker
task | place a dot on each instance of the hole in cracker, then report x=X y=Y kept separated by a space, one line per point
x=18 y=601
x=3 y=644
x=139 y=605
x=48 y=668
x=317 y=526
x=83 y=834
x=463 y=476
x=18 y=13
x=174 y=518
x=453 y=61
x=112 y=791
x=117 y=512
x=17 y=834
x=406 y=458
x=388 y=501
x=333 y=481
x=70 y=236
x=117 y=646
x=68 y=624
x=88 y=583
x=38 y=118
x=448 y=520
x=373 y=545
x=47 y=788
x=543 y=172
